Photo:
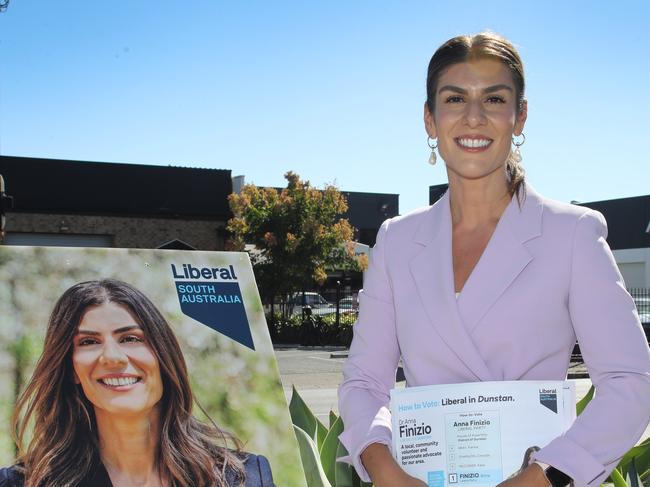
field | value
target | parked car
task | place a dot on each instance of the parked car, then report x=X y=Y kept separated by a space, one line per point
x=317 y=303
x=349 y=305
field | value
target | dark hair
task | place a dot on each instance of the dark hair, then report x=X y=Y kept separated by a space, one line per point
x=485 y=45
x=65 y=447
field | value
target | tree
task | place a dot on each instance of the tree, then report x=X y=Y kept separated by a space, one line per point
x=298 y=235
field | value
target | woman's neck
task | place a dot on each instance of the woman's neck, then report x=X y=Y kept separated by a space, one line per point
x=129 y=447
x=475 y=203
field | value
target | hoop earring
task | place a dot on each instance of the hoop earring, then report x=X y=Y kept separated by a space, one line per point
x=516 y=155
x=432 y=146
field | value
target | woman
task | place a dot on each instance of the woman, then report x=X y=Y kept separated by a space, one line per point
x=493 y=282
x=111 y=403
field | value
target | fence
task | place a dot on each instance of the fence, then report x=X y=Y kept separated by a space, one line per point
x=332 y=302
x=345 y=302
x=641 y=298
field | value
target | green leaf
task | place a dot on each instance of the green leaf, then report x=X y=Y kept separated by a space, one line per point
x=640 y=454
x=333 y=418
x=301 y=415
x=314 y=474
x=632 y=477
x=616 y=477
x=343 y=472
x=321 y=433
x=645 y=477
x=642 y=460
x=582 y=403
x=329 y=448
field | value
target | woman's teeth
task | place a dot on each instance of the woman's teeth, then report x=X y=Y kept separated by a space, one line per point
x=474 y=143
x=121 y=381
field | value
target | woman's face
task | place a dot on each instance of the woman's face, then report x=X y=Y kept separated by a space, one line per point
x=475 y=118
x=113 y=363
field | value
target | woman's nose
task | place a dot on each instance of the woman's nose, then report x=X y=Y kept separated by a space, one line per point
x=112 y=354
x=474 y=113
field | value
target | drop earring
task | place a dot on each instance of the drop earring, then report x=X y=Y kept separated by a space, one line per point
x=516 y=155
x=432 y=146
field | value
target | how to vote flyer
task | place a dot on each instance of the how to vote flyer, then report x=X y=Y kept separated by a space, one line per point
x=476 y=433
x=211 y=304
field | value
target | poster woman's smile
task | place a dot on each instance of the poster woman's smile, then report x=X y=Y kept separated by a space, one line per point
x=113 y=362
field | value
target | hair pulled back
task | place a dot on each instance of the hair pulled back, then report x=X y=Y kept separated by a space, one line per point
x=467 y=48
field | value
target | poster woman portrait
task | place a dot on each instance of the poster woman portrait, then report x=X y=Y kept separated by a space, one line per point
x=494 y=282
x=110 y=404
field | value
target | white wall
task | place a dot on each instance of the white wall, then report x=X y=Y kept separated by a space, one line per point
x=634 y=265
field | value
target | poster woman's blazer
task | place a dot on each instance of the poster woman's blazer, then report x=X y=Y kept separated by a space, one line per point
x=546 y=277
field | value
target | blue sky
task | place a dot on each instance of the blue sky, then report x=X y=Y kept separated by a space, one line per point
x=331 y=90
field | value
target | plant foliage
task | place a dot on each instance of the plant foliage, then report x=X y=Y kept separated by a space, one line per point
x=298 y=234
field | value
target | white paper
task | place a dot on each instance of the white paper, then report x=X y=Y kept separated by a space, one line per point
x=476 y=433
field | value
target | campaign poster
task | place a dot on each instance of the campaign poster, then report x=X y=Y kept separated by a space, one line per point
x=478 y=433
x=210 y=302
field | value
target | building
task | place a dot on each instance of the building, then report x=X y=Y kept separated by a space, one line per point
x=628 y=223
x=99 y=204
x=95 y=204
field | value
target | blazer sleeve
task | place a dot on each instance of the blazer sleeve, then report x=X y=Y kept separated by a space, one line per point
x=616 y=353
x=369 y=372
x=258 y=471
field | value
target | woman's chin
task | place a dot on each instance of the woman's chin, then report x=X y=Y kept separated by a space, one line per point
x=124 y=407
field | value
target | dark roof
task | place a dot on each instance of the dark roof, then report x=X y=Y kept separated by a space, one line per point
x=436 y=191
x=369 y=210
x=628 y=221
x=61 y=186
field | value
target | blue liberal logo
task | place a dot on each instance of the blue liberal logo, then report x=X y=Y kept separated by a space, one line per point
x=204 y=296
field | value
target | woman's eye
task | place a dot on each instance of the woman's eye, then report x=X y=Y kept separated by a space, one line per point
x=131 y=339
x=86 y=341
x=496 y=99
x=454 y=99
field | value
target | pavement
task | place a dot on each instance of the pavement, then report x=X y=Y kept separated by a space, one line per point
x=316 y=373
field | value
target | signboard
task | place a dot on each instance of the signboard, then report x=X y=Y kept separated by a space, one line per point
x=210 y=303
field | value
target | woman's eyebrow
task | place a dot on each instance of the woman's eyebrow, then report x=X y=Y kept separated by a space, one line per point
x=117 y=330
x=455 y=89
x=493 y=88
x=462 y=91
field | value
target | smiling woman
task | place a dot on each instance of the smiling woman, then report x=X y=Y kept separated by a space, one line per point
x=493 y=283
x=114 y=365
x=110 y=403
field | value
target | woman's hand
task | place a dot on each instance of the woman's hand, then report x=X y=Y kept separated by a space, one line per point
x=531 y=476
x=384 y=470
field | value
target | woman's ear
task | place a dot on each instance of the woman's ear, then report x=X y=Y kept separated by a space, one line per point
x=429 y=124
x=521 y=118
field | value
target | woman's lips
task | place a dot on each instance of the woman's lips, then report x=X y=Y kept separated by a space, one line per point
x=119 y=383
x=473 y=144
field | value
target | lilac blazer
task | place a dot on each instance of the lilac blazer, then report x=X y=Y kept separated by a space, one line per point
x=546 y=277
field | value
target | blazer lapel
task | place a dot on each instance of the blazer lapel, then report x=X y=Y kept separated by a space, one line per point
x=503 y=259
x=433 y=274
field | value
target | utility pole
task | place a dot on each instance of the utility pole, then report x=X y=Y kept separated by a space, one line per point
x=6 y=203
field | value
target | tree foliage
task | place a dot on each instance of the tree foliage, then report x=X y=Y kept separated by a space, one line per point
x=298 y=234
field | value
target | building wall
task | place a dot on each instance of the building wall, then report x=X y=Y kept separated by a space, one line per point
x=125 y=232
x=634 y=265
